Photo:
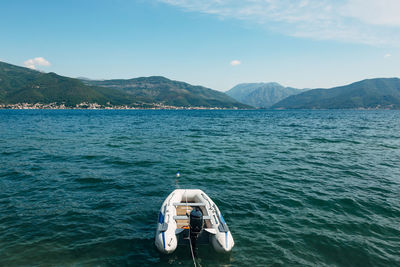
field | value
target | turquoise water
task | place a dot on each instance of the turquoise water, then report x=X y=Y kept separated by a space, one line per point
x=309 y=188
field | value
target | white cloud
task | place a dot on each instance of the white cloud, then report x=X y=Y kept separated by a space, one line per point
x=235 y=62
x=374 y=22
x=387 y=55
x=37 y=61
x=377 y=12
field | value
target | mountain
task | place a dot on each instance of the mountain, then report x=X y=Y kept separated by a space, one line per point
x=157 y=89
x=261 y=95
x=23 y=85
x=380 y=93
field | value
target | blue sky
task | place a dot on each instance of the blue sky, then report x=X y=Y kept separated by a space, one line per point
x=215 y=43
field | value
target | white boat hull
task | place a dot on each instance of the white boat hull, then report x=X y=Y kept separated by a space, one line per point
x=172 y=223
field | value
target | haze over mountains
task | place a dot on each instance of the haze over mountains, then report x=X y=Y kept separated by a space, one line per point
x=261 y=95
x=23 y=85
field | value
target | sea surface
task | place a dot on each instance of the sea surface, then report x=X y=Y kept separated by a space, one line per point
x=297 y=188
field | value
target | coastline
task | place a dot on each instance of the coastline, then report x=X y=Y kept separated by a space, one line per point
x=96 y=106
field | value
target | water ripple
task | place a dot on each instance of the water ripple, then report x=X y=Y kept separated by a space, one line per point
x=309 y=188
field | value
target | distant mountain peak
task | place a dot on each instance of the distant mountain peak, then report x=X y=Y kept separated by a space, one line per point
x=261 y=95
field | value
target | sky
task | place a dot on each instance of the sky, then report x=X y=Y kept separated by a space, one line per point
x=214 y=43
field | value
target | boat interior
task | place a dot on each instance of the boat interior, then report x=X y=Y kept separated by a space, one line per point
x=182 y=210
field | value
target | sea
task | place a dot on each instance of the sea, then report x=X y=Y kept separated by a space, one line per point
x=296 y=188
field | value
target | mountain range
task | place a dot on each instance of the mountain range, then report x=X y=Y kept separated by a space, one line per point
x=380 y=93
x=24 y=85
x=157 y=89
x=261 y=95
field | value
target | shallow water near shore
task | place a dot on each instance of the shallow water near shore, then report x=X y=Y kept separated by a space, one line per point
x=310 y=188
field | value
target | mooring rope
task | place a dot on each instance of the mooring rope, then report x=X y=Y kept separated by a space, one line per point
x=190 y=239
x=191 y=250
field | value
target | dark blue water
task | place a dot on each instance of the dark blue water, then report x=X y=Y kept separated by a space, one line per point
x=309 y=188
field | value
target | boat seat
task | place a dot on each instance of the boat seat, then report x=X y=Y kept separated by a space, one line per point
x=184 y=217
x=189 y=204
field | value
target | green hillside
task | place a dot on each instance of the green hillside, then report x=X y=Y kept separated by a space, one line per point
x=23 y=85
x=381 y=93
x=168 y=92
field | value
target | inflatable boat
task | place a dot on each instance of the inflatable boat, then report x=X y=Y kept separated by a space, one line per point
x=189 y=216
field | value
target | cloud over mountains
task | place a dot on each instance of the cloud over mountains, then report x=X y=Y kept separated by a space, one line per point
x=37 y=61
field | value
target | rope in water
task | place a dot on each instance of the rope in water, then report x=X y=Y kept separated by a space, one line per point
x=190 y=239
x=191 y=250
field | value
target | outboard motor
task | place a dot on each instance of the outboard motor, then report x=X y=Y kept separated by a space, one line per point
x=196 y=226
